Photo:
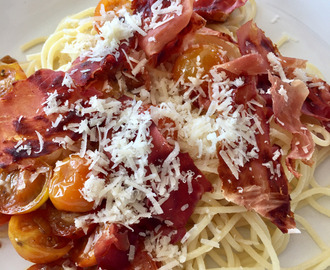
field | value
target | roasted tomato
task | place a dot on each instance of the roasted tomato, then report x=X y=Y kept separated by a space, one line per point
x=10 y=71
x=24 y=189
x=109 y=5
x=66 y=185
x=197 y=61
x=63 y=222
x=56 y=265
x=83 y=254
x=32 y=237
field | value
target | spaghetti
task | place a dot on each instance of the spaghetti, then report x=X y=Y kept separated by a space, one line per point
x=220 y=234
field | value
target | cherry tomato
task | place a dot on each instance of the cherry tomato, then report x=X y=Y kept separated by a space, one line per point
x=230 y=47
x=198 y=60
x=63 y=222
x=32 y=238
x=83 y=254
x=66 y=185
x=24 y=189
x=10 y=71
x=108 y=5
x=56 y=265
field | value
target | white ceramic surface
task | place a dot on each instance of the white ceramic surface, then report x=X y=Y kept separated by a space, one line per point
x=307 y=22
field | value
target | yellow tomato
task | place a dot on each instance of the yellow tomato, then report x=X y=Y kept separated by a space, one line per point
x=67 y=183
x=109 y=5
x=9 y=73
x=32 y=238
x=24 y=189
x=198 y=60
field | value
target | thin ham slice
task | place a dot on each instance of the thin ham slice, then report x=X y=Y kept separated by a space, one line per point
x=217 y=10
x=250 y=64
x=157 y=38
x=317 y=104
x=22 y=116
x=257 y=187
x=288 y=100
x=252 y=39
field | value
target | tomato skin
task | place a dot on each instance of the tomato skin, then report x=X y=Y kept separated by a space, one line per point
x=10 y=71
x=109 y=5
x=66 y=185
x=63 y=222
x=83 y=256
x=24 y=189
x=198 y=59
x=56 y=265
x=32 y=238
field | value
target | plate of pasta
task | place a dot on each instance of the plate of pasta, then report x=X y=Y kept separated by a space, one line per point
x=168 y=134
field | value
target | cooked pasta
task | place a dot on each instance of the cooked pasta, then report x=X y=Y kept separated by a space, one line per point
x=220 y=234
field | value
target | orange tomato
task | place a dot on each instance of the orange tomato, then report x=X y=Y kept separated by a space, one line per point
x=63 y=222
x=9 y=73
x=66 y=185
x=56 y=265
x=83 y=254
x=32 y=238
x=108 y=5
x=198 y=59
x=24 y=189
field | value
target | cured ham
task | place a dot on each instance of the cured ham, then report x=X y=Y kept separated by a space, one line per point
x=261 y=184
x=163 y=27
x=150 y=116
x=217 y=10
x=317 y=104
x=24 y=120
x=252 y=39
x=288 y=100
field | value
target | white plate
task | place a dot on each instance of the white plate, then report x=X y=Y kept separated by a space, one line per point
x=307 y=22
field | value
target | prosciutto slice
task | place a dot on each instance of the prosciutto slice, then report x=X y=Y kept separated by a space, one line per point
x=252 y=39
x=261 y=184
x=158 y=34
x=217 y=10
x=26 y=130
x=317 y=104
x=288 y=100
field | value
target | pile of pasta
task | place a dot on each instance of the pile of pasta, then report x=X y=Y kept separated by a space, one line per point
x=236 y=125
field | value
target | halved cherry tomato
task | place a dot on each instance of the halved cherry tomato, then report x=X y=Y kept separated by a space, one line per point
x=198 y=59
x=10 y=71
x=108 y=5
x=32 y=238
x=63 y=222
x=83 y=254
x=56 y=265
x=66 y=185
x=24 y=189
